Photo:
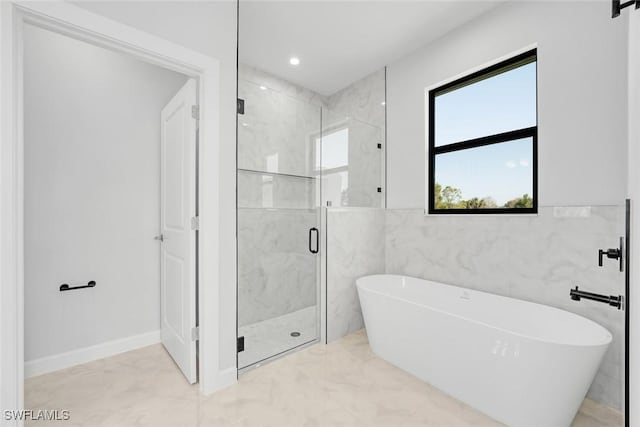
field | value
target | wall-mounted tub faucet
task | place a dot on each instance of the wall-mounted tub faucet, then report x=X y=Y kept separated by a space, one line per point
x=613 y=300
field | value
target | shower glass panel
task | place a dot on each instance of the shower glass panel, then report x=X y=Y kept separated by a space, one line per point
x=353 y=145
x=278 y=218
x=352 y=163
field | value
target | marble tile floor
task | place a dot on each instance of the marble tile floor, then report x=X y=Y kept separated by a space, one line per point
x=273 y=336
x=340 y=384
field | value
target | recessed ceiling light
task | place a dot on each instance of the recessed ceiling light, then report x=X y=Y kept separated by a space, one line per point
x=294 y=61
x=263 y=88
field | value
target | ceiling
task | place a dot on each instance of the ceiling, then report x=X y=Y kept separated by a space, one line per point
x=339 y=42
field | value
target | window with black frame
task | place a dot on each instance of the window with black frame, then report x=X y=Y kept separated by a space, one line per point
x=483 y=141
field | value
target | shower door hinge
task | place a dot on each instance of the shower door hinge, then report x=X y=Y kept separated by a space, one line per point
x=195 y=223
x=379 y=146
x=240 y=106
x=195 y=333
x=240 y=344
x=195 y=112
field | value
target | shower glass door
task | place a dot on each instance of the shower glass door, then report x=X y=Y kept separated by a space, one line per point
x=278 y=218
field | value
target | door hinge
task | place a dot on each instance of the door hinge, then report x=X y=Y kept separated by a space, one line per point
x=240 y=106
x=195 y=333
x=379 y=146
x=240 y=344
x=195 y=223
x=195 y=112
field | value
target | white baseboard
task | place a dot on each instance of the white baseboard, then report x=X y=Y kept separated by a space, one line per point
x=227 y=377
x=222 y=379
x=88 y=354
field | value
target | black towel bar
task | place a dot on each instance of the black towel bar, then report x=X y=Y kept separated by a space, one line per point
x=66 y=287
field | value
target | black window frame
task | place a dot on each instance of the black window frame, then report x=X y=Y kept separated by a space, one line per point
x=529 y=132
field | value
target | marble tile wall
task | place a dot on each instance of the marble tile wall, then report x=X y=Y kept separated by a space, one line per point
x=280 y=125
x=276 y=272
x=261 y=78
x=363 y=100
x=534 y=258
x=355 y=248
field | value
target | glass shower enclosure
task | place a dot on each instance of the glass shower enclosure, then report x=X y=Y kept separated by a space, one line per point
x=278 y=218
x=301 y=156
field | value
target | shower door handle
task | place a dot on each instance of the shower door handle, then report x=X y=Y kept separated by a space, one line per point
x=311 y=248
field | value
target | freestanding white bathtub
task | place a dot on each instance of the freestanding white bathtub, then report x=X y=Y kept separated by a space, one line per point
x=521 y=363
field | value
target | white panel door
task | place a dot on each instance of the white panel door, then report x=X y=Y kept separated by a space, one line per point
x=178 y=206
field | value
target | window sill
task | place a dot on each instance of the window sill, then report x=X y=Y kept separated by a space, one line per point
x=480 y=215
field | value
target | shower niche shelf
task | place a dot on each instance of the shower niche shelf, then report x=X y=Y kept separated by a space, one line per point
x=277 y=191
x=288 y=175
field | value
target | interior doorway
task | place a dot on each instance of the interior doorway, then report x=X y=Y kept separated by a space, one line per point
x=74 y=21
x=110 y=211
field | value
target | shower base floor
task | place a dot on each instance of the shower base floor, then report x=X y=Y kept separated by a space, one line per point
x=271 y=337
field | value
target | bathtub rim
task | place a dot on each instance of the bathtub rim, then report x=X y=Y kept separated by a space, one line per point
x=363 y=287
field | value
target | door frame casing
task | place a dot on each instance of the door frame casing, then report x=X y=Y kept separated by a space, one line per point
x=632 y=411
x=83 y=25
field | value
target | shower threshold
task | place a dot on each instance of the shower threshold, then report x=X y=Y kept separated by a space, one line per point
x=272 y=338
